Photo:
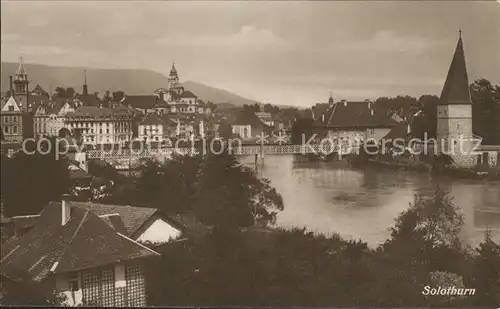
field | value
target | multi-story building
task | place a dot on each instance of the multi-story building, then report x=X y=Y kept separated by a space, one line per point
x=356 y=121
x=12 y=121
x=87 y=257
x=157 y=128
x=98 y=125
x=174 y=99
x=17 y=109
x=49 y=118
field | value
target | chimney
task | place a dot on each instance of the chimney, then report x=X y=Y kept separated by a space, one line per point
x=11 y=86
x=65 y=209
x=344 y=102
x=323 y=118
x=371 y=111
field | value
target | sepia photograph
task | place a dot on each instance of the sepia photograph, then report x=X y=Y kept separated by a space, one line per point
x=233 y=154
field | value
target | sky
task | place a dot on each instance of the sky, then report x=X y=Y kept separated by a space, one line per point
x=291 y=53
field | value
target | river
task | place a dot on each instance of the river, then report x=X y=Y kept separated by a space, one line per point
x=363 y=204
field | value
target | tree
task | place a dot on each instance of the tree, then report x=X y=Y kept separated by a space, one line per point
x=70 y=92
x=236 y=198
x=107 y=96
x=118 y=96
x=426 y=123
x=425 y=239
x=30 y=181
x=67 y=93
x=486 y=274
x=302 y=130
x=225 y=130
x=60 y=92
x=486 y=110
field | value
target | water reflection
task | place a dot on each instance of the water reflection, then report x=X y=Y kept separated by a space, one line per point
x=329 y=198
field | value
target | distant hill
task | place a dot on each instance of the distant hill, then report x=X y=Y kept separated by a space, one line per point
x=99 y=80
x=216 y=95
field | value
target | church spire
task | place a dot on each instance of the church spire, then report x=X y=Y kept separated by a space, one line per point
x=85 y=91
x=456 y=86
x=330 y=99
x=173 y=70
x=21 y=74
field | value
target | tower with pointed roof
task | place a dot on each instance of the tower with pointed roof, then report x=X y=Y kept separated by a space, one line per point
x=85 y=89
x=454 y=111
x=330 y=100
x=173 y=78
x=21 y=83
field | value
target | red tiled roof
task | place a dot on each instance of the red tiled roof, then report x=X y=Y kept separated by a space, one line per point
x=94 y=111
x=244 y=118
x=188 y=94
x=143 y=101
x=358 y=115
x=456 y=86
x=133 y=217
x=116 y=222
x=84 y=242
x=89 y=100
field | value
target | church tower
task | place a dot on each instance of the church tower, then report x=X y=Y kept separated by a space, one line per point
x=330 y=100
x=454 y=112
x=21 y=87
x=173 y=78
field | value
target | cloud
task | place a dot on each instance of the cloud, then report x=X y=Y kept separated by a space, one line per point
x=388 y=41
x=248 y=37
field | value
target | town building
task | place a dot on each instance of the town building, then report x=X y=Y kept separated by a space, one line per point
x=174 y=99
x=143 y=224
x=157 y=128
x=266 y=118
x=356 y=121
x=12 y=121
x=86 y=257
x=146 y=104
x=49 y=118
x=248 y=126
x=99 y=125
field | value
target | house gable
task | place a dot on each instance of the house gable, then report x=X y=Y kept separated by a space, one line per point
x=157 y=230
x=66 y=108
x=11 y=106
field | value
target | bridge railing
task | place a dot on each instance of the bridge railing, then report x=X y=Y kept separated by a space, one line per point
x=245 y=150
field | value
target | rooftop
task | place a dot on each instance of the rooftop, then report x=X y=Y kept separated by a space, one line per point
x=358 y=115
x=456 y=86
x=85 y=241
x=143 y=101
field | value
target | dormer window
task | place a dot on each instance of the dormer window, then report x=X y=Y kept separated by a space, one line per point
x=11 y=108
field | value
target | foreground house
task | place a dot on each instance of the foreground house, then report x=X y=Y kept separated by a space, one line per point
x=142 y=224
x=86 y=258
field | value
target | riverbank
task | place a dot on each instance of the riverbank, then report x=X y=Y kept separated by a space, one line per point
x=420 y=166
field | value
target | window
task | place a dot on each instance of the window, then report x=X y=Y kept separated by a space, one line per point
x=14 y=119
x=11 y=108
x=73 y=282
x=14 y=129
